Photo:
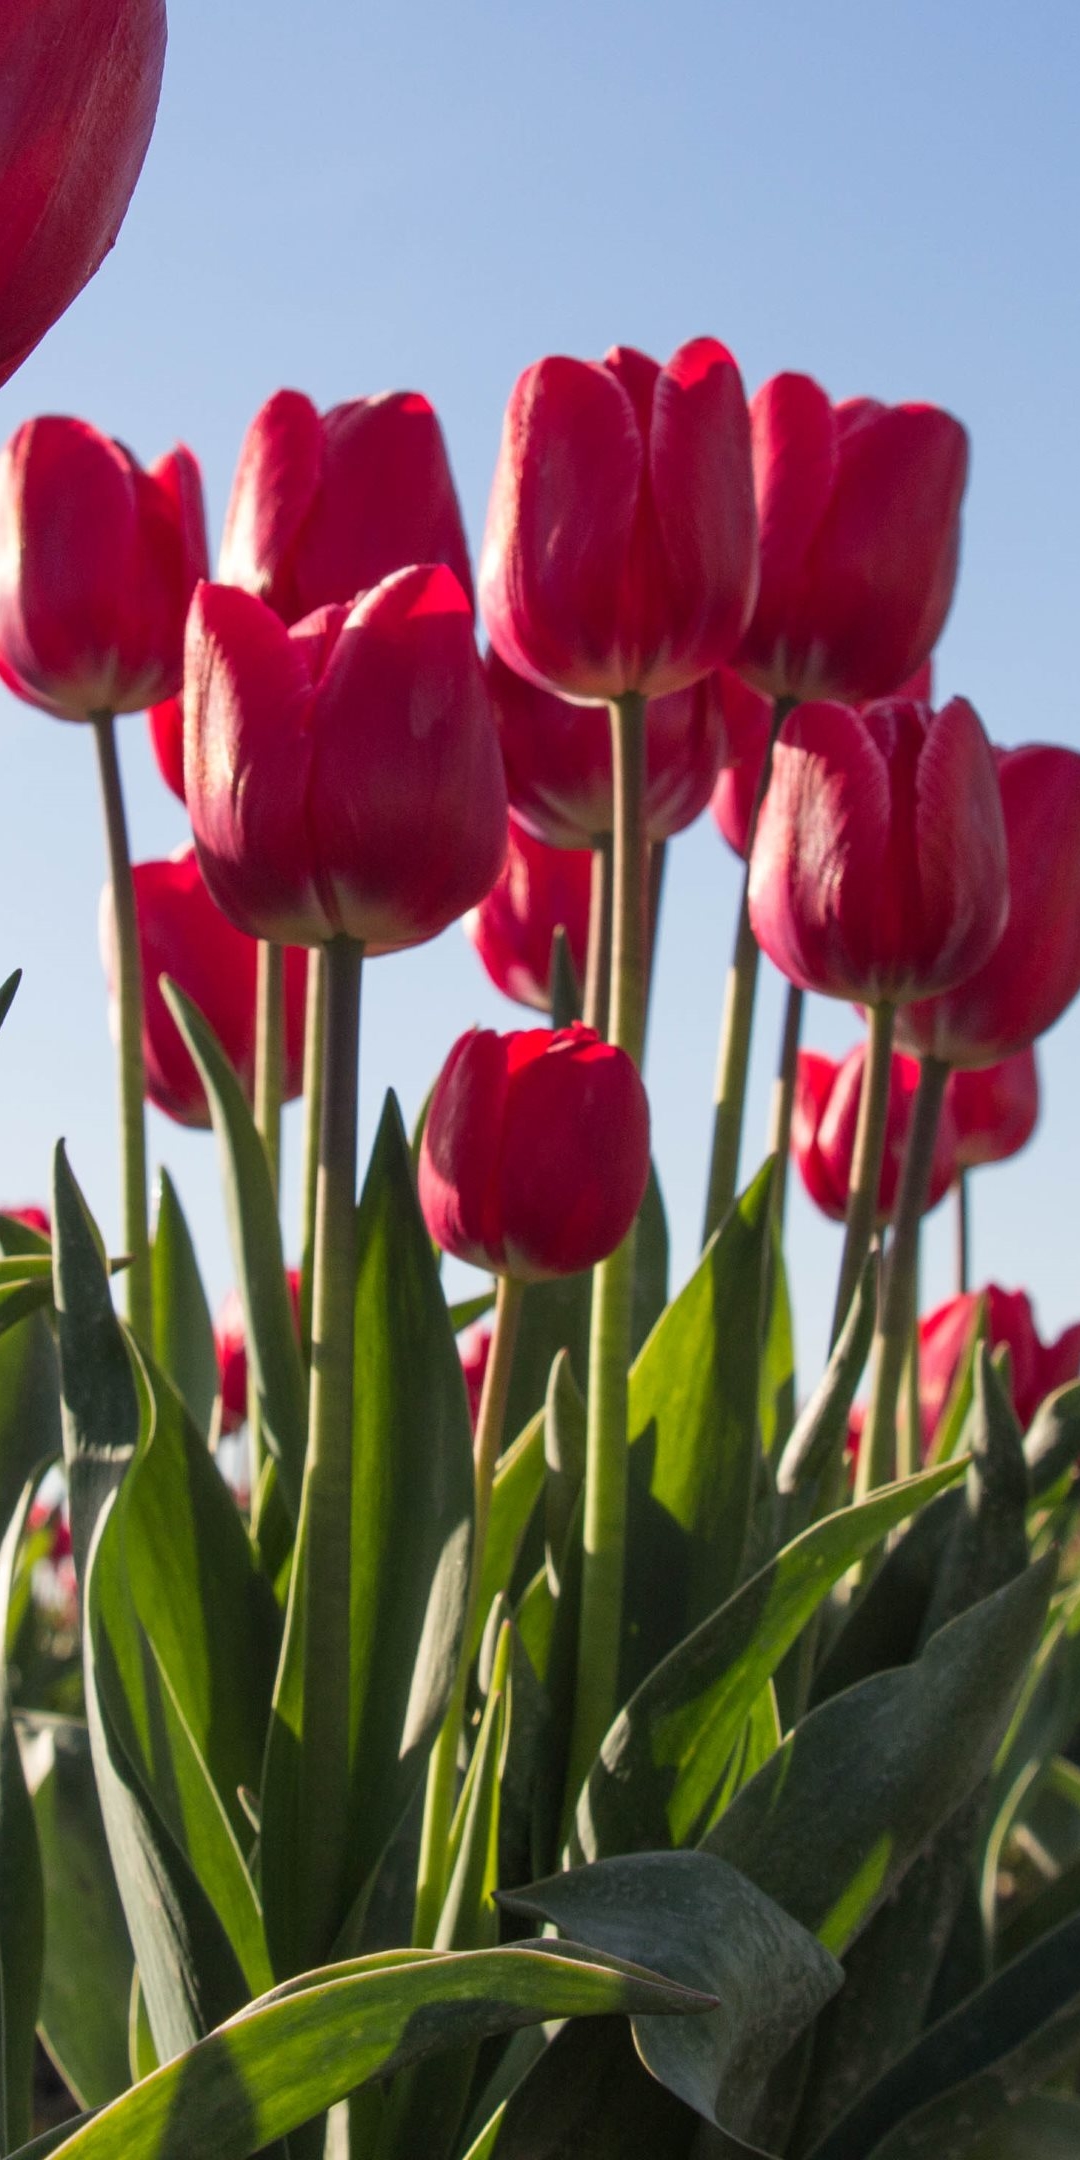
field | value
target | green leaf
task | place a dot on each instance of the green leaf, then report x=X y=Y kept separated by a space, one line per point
x=554 y=1317
x=408 y=1539
x=469 y=1310
x=88 y=1963
x=776 y=1394
x=808 y=1466
x=651 y=1253
x=30 y=1432
x=1043 y=2128
x=183 y=1330
x=519 y=1481
x=99 y=1402
x=255 y=1234
x=1052 y=1443
x=22 y=1897
x=7 y=993
x=988 y=1543
x=285 y=2059
x=588 y=2096
x=949 y=1439
x=655 y=1780
x=468 y=1920
x=695 y=1453
x=885 y=1626
x=565 y=1451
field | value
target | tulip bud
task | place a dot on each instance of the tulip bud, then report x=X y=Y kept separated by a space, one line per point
x=1036 y=1368
x=621 y=547
x=325 y=506
x=166 y=724
x=81 y=81
x=34 y=1218
x=535 y=1154
x=231 y=1347
x=538 y=891
x=880 y=859
x=344 y=775
x=859 y=511
x=824 y=1122
x=475 y=1349
x=183 y=934
x=98 y=561
x=995 y=1111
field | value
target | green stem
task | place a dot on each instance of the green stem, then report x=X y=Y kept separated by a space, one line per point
x=909 y=1442
x=598 y=957
x=314 y=1026
x=136 y=1235
x=270 y=1051
x=876 y=1455
x=783 y=1099
x=328 y=1478
x=442 y=1769
x=604 y=1531
x=865 y=1183
x=733 y=1062
x=963 y=1234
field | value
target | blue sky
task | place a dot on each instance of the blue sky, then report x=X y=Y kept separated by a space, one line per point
x=886 y=196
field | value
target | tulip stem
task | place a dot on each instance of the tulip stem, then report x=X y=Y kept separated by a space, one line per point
x=963 y=1234
x=314 y=1024
x=598 y=956
x=877 y=1453
x=136 y=1234
x=736 y=1026
x=270 y=1051
x=442 y=1769
x=783 y=1100
x=862 y=1206
x=604 y=1529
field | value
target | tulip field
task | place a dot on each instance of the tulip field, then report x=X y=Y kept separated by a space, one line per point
x=526 y=1720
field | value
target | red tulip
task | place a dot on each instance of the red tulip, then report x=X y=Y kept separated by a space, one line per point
x=231 y=1349
x=34 y=1218
x=81 y=81
x=1033 y=971
x=475 y=1349
x=535 y=1154
x=824 y=1119
x=747 y=716
x=343 y=775
x=324 y=506
x=166 y=723
x=995 y=1111
x=559 y=767
x=98 y=561
x=880 y=858
x=538 y=891
x=859 y=509
x=53 y=1520
x=621 y=548
x=182 y=934
x=1037 y=1367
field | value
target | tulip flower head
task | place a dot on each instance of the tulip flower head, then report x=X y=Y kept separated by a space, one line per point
x=325 y=505
x=621 y=544
x=880 y=859
x=535 y=1154
x=474 y=1348
x=995 y=1111
x=343 y=776
x=823 y=1126
x=32 y=1218
x=231 y=1346
x=859 y=512
x=538 y=891
x=98 y=562
x=1036 y=1368
x=166 y=724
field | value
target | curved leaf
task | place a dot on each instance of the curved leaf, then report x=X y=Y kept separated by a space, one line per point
x=22 y=1896
x=183 y=1330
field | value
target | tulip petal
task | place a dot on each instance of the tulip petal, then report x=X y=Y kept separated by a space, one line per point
x=276 y=481
x=701 y=476
x=386 y=500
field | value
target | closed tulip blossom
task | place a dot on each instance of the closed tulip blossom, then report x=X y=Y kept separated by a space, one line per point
x=1036 y=1368
x=535 y=1154
x=823 y=1126
x=475 y=1349
x=98 y=562
x=1032 y=972
x=81 y=81
x=182 y=934
x=343 y=776
x=879 y=869
x=539 y=890
x=995 y=1111
x=621 y=548
x=859 y=513
x=32 y=1218
x=166 y=724
x=231 y=1346
x=325 y=505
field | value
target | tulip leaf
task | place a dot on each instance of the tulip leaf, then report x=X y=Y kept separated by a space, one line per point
x=1052 y=1442
x=30 y=1433
x=1045 y=2127
x=519 y=1482
x=406 y=1544
x=7 y=993
x=296 y=2052
x=554 y=1317
x=651 y=1256
x=88 y=1963
x=183 y=1330
x=776 y=1404
x=703 y=1923
x=99 y=1404
x=255 y=1234
x=655 y=1780
x=469 y=1310
x=22 y=1897
x=589 y=2095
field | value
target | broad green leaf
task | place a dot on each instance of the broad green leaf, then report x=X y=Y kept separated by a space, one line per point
x=405 y=1541
x=554 y=1317
x=7 y=993
x=183 y=1330
x=885 y=1627
x=651 y=1252
x=255 y=1234
x=88 y=1967
x=988 y=1544
x=588 y=2096
x=1043 y=2128
x=949 y=1437
x=695 y=1451
x=776 y=1394
x=519 y=1482
x=99 y=1402
x=22 y=1897
x=565 y=1451
x=30 y=1433
x=701 y=1922
x=1052 y=1443
x=658 y=1771
x=285 y=2059
x=469 y=1310
x=814 y=1451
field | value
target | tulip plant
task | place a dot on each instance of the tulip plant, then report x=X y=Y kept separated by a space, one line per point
x=550 y=1739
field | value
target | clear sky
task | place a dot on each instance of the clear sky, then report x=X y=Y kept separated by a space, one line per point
x=351 y=199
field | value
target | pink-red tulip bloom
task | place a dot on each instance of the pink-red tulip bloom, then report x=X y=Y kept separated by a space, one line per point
x=231 y=1346
x=183 y=934
x=1037 y=1367
x=80 y=89
x=538 y=891
x=166 y=723
x=879 y=869
x=859 y=512
x=1033 y=971
x=34 y=1218
x=823 y=1125
x=621 y=544
x=325 y=505
x=995 y=1111
x=98 y=562
x=535 y=1154
x=343 y=775
x=475 y=1348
